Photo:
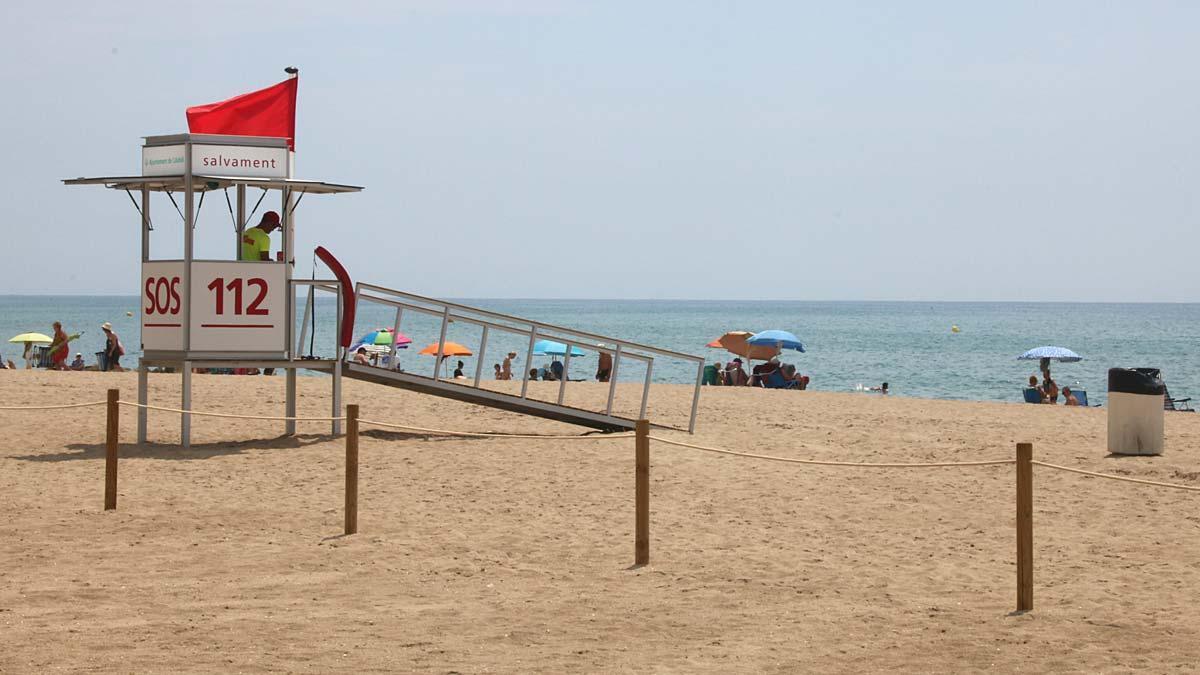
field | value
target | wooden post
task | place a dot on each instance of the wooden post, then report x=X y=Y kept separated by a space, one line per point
x=1024 y=526
x=641 y=544
x=111 y=437
x=351 y=469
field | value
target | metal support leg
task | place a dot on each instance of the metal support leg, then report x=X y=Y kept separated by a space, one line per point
x=290 y=404
x=143 y=398
x=646 y=389
x=528 y=362
x=185 y=419
x=395 y=340
x=441 y=353
x=696 y=397
x=479 y=358
x=337 y=394
x=562 y=385
x=612 y=380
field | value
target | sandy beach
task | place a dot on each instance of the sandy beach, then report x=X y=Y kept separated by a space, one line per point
x=515 y=555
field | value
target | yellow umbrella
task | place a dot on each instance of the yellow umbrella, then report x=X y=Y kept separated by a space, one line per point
x=31 y=337
x=735 y=342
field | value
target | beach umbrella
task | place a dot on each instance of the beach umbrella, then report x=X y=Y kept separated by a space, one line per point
x=1060 y=354
x=452 y=349
x=735 y=342
x=372 y=349
x=383 y=336
x=552 y=348
x=31 y=337
x=781 y=339
x=1047 y=353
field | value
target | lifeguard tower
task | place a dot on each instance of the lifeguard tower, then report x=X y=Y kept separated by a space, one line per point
x=233 y=313
x=228 y=313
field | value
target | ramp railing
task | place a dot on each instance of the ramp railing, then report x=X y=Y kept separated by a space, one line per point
x=325 y=285
x=490 y=322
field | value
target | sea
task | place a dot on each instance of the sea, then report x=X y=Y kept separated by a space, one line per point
x=849 y=346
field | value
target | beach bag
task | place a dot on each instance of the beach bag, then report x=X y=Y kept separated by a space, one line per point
x=120 y=348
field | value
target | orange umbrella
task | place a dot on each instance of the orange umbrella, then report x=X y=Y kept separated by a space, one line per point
x=452 y=349
x=735 y=342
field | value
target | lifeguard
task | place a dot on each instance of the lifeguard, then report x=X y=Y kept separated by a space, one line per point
x=256 y=241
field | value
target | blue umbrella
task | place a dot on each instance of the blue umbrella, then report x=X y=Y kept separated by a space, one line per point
x=776 y=338
x=1057 y=353
x=552 y=348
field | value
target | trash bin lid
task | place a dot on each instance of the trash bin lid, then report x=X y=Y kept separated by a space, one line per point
x=1136 y=381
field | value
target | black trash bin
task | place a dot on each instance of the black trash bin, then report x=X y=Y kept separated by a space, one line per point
x=101 y=361
x=1135 y=411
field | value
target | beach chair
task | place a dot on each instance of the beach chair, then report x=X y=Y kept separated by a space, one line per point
x=1081 y=396
x=775 y=380
x=1177 y=404
x=710 y=376
x=1032 y=395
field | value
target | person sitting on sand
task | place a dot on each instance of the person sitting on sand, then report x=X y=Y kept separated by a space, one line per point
x=458 y=372
x=77 y=364
x=499 y=375
x=1068 y=397
x=360 y=357
x=790 y=374
x=760 y=373
x=506 y=369
x=720 y=373
x=1033 y=384
x=556 y=370
x=735 y=375
x=532 y=374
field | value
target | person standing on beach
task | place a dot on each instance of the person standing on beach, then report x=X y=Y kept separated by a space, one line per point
x=256 y=241
x=59 y=350
x=113 y=349
x=506 y=369
x=604 y=369
x=1051 y=389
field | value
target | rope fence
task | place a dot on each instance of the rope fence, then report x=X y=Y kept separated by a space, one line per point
x=1095 y=474
x=863 y=465
x=53 y=407
x=1024 y=470
x=272 y=418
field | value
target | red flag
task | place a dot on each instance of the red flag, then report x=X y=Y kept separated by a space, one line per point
x=266 y=112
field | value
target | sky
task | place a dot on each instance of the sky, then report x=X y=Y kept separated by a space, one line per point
x=929 y=151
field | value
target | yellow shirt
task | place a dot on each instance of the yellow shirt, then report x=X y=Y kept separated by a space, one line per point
x=254 y=243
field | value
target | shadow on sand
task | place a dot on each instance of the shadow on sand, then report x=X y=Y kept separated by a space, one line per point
x=89 y=451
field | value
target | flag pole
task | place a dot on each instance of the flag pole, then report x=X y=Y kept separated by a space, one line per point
x=289 y=262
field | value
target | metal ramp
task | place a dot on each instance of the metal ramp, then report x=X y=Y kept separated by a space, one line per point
x=495 y=327
x=492 y=399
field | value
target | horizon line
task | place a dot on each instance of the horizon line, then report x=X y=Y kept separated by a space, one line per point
x=744 y=300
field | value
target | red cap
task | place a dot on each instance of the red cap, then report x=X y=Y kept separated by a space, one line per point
x=269 y=218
